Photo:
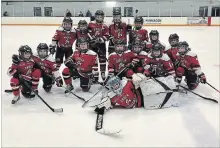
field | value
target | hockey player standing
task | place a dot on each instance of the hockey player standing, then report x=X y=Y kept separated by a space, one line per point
x=22 y=70
x=138 y=32
x=118 y=29
x=62 y=41
x=188 y=65
x=99 y=34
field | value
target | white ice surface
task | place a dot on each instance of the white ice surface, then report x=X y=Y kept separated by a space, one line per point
x=30 y=123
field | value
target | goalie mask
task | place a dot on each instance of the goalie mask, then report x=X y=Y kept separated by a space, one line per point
x=183 y=48
x=114 y=84
x=25 y=52
x=119 y=46
x=116 y=16
x=173 y=40
x=83 y=26
x=154 y=36
x=42 y=50
x=137 y=46
x=67 y=23
x=157 y=50
x=83 y=45
x=138 y=22
x=99 y=16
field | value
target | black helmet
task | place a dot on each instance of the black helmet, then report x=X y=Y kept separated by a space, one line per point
x=154 y=33
x=137 y=21
x=157 y=48
x=99 y=12
x=24 y=49
x=40 y=47
x=173 y=40
x=183 y=48
x=67 y=23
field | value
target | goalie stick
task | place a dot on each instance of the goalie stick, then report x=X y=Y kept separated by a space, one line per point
x=99 y=124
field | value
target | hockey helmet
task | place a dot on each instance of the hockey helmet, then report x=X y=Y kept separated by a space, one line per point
x=99 y=16
x=42 y=50
x=114 y=84
x=183 y=48
x=67 y=23
x=138 y=22
x=137 y=46
x=25 y=52
x=83 y=44
x=154 y=36
x=119 y=46
x=173 y=39
x=157 y=50
x=82 y=25
x=116 y=16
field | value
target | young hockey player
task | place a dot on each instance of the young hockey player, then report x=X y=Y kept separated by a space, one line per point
x=83 y=63
x=120 y=94
x=82 y=30
x=157 y=63
x=22 y=72
x=188 y=65
x=99 y=34
x=62 y=41
x=138 y=31
x=118 y=29
x=121 y=59
x=172 y=50
x=48 y=67
x=154 y=38
x=141 y=55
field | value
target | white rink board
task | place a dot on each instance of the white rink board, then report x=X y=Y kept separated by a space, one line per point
x=55 y=21
x=32 y=124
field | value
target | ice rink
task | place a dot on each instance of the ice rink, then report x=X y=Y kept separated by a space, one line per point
x=29 y=123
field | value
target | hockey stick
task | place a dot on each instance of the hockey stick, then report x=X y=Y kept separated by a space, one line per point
x=199 y=95
x=99 y=124
x=168 y=95
x=52 y=109
x=213 y=87
x=84 y=104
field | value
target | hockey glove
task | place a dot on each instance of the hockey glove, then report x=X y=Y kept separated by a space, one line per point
x=11 y=72
x=52 y=48
x=59 y=81
x=70 y=63
x=134 y=63
x=105 y=103
x=202 y=78
x=15 y=59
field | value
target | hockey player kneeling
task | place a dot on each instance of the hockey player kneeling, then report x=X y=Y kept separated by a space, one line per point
x=25 y=77
x=158 y=91
x=83 y=64
x=120 y=94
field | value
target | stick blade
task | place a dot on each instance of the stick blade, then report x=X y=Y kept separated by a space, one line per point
x=58 y=110
x=108 y=133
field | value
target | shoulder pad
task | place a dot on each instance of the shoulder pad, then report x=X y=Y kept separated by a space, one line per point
x=165 y=57
x=92 y=22
x=113 y=53
x=60 y=28
x=143 y=53
x=192 y=54
x=90 y=52
x=167 y=48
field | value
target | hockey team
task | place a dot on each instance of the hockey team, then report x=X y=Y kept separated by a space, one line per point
x=138 y=71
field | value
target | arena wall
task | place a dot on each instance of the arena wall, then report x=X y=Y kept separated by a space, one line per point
x=148 y=21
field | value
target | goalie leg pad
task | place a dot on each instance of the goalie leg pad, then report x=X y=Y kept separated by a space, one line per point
x=154 y=94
